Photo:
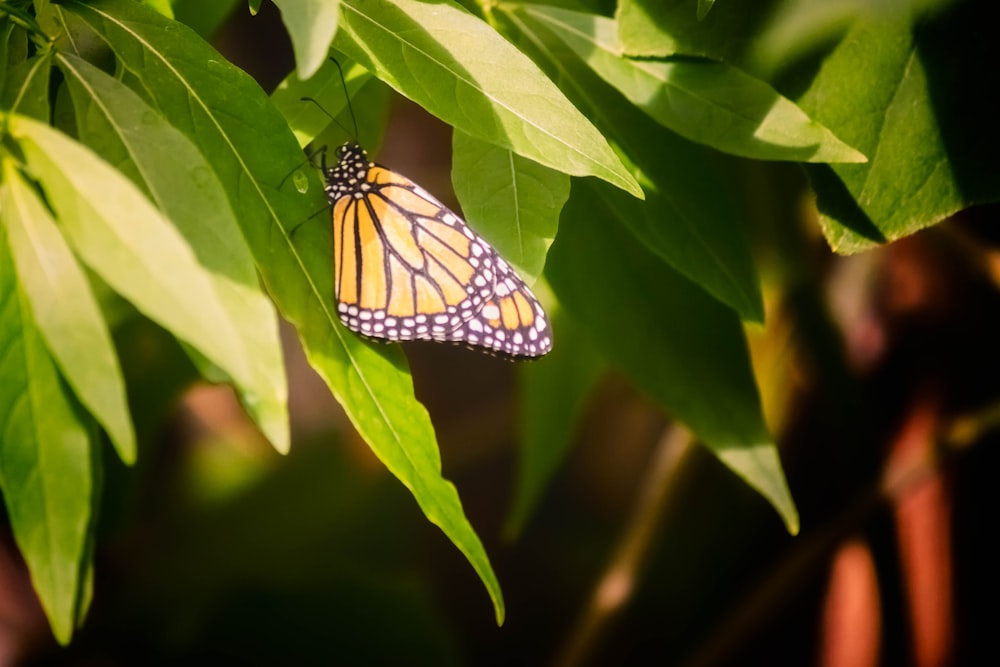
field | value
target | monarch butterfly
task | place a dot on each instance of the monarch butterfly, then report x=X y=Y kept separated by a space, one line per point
x=408 y=268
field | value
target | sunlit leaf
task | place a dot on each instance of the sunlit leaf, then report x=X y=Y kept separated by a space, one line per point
x=916 y=99
x=47 y=464
x=114 y=121
x=513 y=202
x=462 y=71
x=690 y=216
x=708 y=102
x=311 y=24
x=65 y=310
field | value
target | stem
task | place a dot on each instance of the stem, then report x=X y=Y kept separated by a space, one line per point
x=616 y=586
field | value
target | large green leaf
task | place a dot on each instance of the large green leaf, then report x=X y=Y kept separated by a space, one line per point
x=117 y=124
x=251 y=149
x=659 y=28
x=462 y=71
x=65 y=310
x=46 y=461
x=920 y=102
x=690 y=216
x=708 y=102
x=311 y=24
x=512 y=201
x=129 y=244
x=679 y=345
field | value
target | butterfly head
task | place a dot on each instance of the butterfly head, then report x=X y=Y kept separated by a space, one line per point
x=350 y=170
x=351 y=151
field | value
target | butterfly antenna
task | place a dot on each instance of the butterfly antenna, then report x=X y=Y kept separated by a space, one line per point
x=350 y=107
x=329 y=115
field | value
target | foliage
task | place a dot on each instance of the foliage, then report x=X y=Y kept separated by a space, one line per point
x=140 y=166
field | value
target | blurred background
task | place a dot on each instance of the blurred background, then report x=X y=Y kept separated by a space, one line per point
x=878 y=372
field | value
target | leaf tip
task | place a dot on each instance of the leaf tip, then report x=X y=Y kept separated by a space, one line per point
x=282 y=446
x=127 y=454
x=306 y=67
x=853 y=156
x=632 y=187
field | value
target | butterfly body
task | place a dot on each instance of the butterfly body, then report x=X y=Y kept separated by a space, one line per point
x=408 y=268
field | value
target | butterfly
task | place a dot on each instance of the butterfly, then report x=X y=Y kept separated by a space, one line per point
x=408 y=268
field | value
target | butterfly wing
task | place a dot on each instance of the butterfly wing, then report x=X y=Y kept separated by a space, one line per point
x=408 y=268
x=511 y=321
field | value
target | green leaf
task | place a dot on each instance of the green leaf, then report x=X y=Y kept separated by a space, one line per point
x=119 y=125
x=46 y=466
x=251 y=149
x=690 y=216
x=311 y=24
x=204 y=17
x=553 y=393
x=129 y=244
x=704 y=7
x=799 y=28
x=462 y=71
x=307 y=119
x=693 y=223
x=707 y=102
x=65 y=310
x=661 y=28
x=26 y=88
x=920 y=103
x=13 y=52
x=162 y=6
x=512 y=201
x=683 y=348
